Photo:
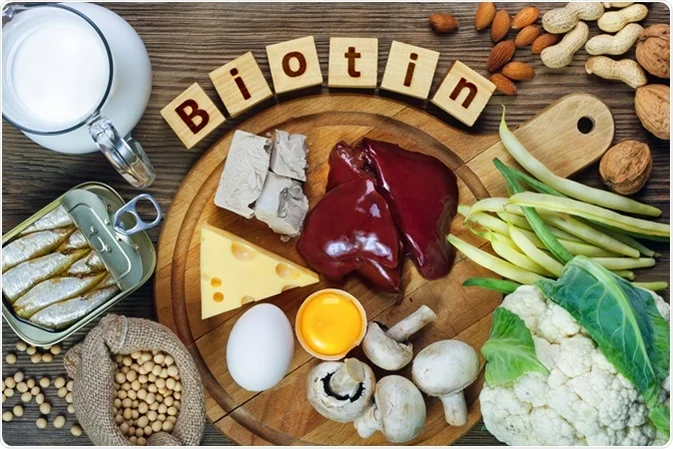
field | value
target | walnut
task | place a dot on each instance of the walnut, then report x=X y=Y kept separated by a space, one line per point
x=654 y=49
x=626 y=167
x=653 y=107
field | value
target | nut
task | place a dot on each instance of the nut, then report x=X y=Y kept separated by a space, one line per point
x=443 y=23
x=620 y=43
x=562 y=20
x=613 y=21
x=587 y=10
x=503 y=84
x=653 y=51
x=561 y=54
x=518 y=71
x=525 y=16
x=500 y=25
x=484 y=16
x=543 y=41
x=653 y=109
x=500 y=55
x=626 y=70
x=526 y=36
x=626 y=167
x=617 y=4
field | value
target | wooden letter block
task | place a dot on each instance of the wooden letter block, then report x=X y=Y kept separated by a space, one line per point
x=294 y=64
x=240 y=84
x=192 y=115
x=353 y=62
x=409 y=70
x=464 y=93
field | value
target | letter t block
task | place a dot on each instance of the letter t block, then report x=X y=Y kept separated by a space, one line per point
x=464 y=93
x=192 y=115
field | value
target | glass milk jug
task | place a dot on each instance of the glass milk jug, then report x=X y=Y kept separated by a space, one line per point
x=76 y=79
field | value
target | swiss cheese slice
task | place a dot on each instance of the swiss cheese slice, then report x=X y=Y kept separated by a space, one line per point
x=235 y=272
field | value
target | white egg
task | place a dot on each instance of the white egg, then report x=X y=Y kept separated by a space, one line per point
x=260 y=348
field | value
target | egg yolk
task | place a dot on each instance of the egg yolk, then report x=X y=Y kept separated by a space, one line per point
x=330 y=324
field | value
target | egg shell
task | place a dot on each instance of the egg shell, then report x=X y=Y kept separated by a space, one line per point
x=260 y=348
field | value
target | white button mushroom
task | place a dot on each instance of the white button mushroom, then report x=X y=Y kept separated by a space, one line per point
x=341 y=391
x=389 y=349
x=398 y=411
x=444 y=369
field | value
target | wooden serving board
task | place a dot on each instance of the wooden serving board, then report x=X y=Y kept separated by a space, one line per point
x=282 y=415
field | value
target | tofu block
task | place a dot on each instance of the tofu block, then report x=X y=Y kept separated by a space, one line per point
x=245 y=171
x=235 y=272
x=288 y=157
x=282 y=205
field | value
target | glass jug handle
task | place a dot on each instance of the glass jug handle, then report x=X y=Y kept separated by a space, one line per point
x=125 y=153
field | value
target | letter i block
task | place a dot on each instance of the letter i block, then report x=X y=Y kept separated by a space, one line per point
x=192 y=115
x=294 y=64
x=409 y=70
x=353 y=62
x=464 y=93
x=240 y=84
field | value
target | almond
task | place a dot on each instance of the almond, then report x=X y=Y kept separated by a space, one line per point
x=484 y=16
x=500 y=55
x=526 y=16
x=543 y=41
x=518 y=71
x=500 y=25
x=503 y=84
x=526 y=36
x=443 y=23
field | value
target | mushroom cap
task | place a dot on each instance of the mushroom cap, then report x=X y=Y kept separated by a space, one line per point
x=401 y=408
x=338 y=409
x=383 y=351
x=445 y=367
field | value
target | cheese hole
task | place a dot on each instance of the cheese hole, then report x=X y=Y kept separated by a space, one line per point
x=242 y=252
x=218 y=297
x=247 y=299
x=216 y=282
x=287 y=272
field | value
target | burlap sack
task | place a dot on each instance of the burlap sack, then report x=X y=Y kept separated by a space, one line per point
x=92 y=369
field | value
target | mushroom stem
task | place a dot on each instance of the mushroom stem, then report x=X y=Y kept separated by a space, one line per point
x=455 y=408
x=368 y=423
x=412 y=324
x=347 y=379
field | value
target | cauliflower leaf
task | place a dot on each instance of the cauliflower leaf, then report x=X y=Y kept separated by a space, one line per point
x=661 y=418
x=510 y=350
x=622 y=319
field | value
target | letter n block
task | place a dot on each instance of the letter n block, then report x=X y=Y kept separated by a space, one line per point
x=192 y=115
x=409 y=70
x=353 y=62
x=240 y=84
x=294 y=64
x=464 y=93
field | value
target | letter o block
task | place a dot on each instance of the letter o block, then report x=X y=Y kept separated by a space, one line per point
x=192 y=115
x=294 y=64
x=464 y=93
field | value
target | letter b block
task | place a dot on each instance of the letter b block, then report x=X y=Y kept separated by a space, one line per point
x=192 y=115
x=464 y=93
x=294 y=64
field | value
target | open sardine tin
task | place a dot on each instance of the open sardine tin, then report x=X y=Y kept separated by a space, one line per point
x=115 y=231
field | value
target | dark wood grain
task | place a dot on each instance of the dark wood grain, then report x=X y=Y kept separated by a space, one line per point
x=186 y=41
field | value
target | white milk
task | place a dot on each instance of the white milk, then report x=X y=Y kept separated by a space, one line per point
x=57 y=68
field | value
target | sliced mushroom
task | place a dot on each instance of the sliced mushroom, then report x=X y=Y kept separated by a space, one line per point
x=444 y=369
x=398 y=411
x=390 y=349
x=341 y=391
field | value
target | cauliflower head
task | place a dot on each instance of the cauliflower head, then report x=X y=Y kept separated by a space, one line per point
x=583 y=400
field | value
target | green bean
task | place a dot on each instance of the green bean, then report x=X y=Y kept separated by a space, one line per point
x=498 y=285
x=654 y=286
x=507 y=249
x=624 y=263
x=529 y=249
x=521 y=222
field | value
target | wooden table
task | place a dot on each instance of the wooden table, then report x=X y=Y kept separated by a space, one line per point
x=186 y=41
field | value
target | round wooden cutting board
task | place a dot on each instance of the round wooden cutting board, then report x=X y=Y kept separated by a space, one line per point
x=282 y=415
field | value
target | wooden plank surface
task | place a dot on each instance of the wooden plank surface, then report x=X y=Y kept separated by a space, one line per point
x=187 y=41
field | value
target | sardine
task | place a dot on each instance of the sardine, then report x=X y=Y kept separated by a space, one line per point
x=75 y=241
x=16 y=281
x=108 y=281
x=57 y=218
x=33 y=245
x=52 y=291
x=65 y=313
x=92 y=263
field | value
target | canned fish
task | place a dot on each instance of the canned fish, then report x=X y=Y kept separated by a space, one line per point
x=73 y=260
